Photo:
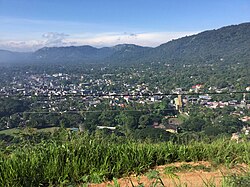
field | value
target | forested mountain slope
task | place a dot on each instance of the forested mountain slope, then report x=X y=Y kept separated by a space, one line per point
x=229 y=44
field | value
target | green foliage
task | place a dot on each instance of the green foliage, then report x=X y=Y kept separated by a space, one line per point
x=107 y=118
x=237 y=180
x=155 y=175
x=194 y=124
x=144 y=121
x=225 y=45
x=212 y=123
x=186 y=167
x=73 y=158
x=152 y=134
x=10 y=106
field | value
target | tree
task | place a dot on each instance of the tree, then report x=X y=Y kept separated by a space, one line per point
x=107 y=118
x=144 y=121
x=153 y=134
x=194 y=124
x=91 y=120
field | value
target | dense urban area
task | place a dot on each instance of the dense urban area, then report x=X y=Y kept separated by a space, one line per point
x=152 y=95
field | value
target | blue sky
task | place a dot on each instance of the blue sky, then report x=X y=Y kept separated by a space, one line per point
x=27 y=25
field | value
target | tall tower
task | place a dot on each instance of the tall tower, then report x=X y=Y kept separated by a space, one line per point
x=244 y=97
x=178 y=103
x=244 y=101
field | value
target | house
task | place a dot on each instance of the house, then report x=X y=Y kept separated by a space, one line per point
x=171 y=128
x=245 y=119
x=204 y=97
x=177 y=91
x=245 y=130
x=106 y=127
x=73 y=129
x=197 y=87
x=155 y=98
x=235 y=137
x=156 y=125
x=173 y=125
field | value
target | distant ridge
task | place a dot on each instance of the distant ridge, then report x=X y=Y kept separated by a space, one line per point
x=228 y=44
x=10 y=56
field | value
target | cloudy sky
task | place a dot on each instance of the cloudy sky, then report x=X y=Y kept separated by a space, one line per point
x=26 y=25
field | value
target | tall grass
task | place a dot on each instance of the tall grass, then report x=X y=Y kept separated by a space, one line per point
x=90 y=159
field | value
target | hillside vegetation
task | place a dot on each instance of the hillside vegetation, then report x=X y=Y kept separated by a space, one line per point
x=82 y=158
x=227 y=44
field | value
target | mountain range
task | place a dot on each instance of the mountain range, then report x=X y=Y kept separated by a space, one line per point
x=228 y=44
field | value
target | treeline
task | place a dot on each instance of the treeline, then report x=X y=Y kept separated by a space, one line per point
x=136 y=120
x=213 y=122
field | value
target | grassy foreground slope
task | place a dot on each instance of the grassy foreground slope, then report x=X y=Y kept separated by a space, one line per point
x=86 y=158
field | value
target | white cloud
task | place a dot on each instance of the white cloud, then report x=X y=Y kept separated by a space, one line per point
x=22 y=46
x=21 y=34
x=145 y=39
x=49 y=39
x=98 y=40
x=54 y=39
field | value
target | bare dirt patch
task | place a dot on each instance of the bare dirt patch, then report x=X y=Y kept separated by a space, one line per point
x=191 y=174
